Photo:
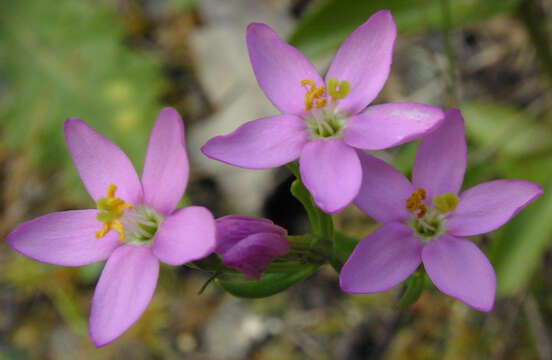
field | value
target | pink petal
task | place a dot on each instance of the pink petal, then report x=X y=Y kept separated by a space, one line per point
x=280 y=68
x=166 y=168
x=441 y=160
x=254 y=253
x=381 y=260
x=233 y=228
x=101 y=163
x=387 y=125
x=186 y=235
x=65 y=238
x=490 y=205
x=459 y=269
x=125 y=289
x=364 y=60
x=332 y=173
x=384 y=190
x=260 y=144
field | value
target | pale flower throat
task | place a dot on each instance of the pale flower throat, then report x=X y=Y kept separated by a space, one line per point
x=135 y=225
x=324 y=121
x=429 y=218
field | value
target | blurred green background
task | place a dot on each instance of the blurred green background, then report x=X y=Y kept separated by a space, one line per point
x=115 y=64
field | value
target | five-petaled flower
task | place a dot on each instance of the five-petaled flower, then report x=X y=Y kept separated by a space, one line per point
x=425 y=221
x=322 y=121
x=249 y=244
x=134 y=226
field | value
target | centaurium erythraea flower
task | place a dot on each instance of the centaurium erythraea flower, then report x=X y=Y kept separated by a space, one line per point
x=134 y=226
x=426 y=220
x=322 y=121
x=249 y=244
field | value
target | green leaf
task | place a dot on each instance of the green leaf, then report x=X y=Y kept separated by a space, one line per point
x=327 y=25
x=321 y=222
x=521 y=244
x=268 y=285
x=414 y=286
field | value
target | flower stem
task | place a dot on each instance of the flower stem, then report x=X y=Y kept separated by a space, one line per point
x=452 y=98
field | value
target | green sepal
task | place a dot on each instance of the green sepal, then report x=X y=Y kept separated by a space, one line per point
x=414 y=286
x=343 y=246
x=321 y=222
x=268 y=285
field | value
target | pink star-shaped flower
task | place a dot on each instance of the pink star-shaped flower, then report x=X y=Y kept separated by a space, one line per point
x=426 y=221
x=135 y=226
x=324 y=121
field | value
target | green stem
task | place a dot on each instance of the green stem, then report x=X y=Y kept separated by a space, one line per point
x=535 y=20
x=321 y=222
x=452 y=98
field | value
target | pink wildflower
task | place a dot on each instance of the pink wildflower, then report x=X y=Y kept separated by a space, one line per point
x=135 y=226
x=322 y=121
x=426 y=221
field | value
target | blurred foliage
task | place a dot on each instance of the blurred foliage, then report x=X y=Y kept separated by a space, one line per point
x=328 y=24
x=519 y=147
x=69 y=60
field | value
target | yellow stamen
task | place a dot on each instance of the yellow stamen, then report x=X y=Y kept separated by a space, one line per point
x=313 y=93
x=117 y=226
x=320 y=103
x=111 y=209
x=415 y=203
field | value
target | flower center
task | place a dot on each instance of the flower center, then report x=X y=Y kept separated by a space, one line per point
x=429 y=218
x=135 y=226
x=324 y=121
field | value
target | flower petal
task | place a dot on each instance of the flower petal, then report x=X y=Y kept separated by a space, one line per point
x=381 y=260
x=441 y=160
x=260 y=144
x=490 y=205
x=101 y=163
x=166 y=168
x=364 y=60
x=186 y=235
x=459 y=269
x=331 y=171
x=125 y=289
x=65 y=238
x=280 y=68
x=384 y=190
x=233 y=228
x=253 y=254
x=387 y=125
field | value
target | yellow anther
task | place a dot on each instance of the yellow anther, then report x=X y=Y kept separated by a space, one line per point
x=313 y=93
x=341 y=93
x=310 y=82
x=103 y=231
x=320 y=103
x=111 y=209
x=415 y=203
x=111 y=190
x=446 y=202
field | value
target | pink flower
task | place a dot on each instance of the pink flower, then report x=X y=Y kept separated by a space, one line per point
x=426 y=221
x=322 y=121
x=249 y=244
x=135 y=226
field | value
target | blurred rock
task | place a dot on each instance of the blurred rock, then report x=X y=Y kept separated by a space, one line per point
x=225 y=73
x=234 y=330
